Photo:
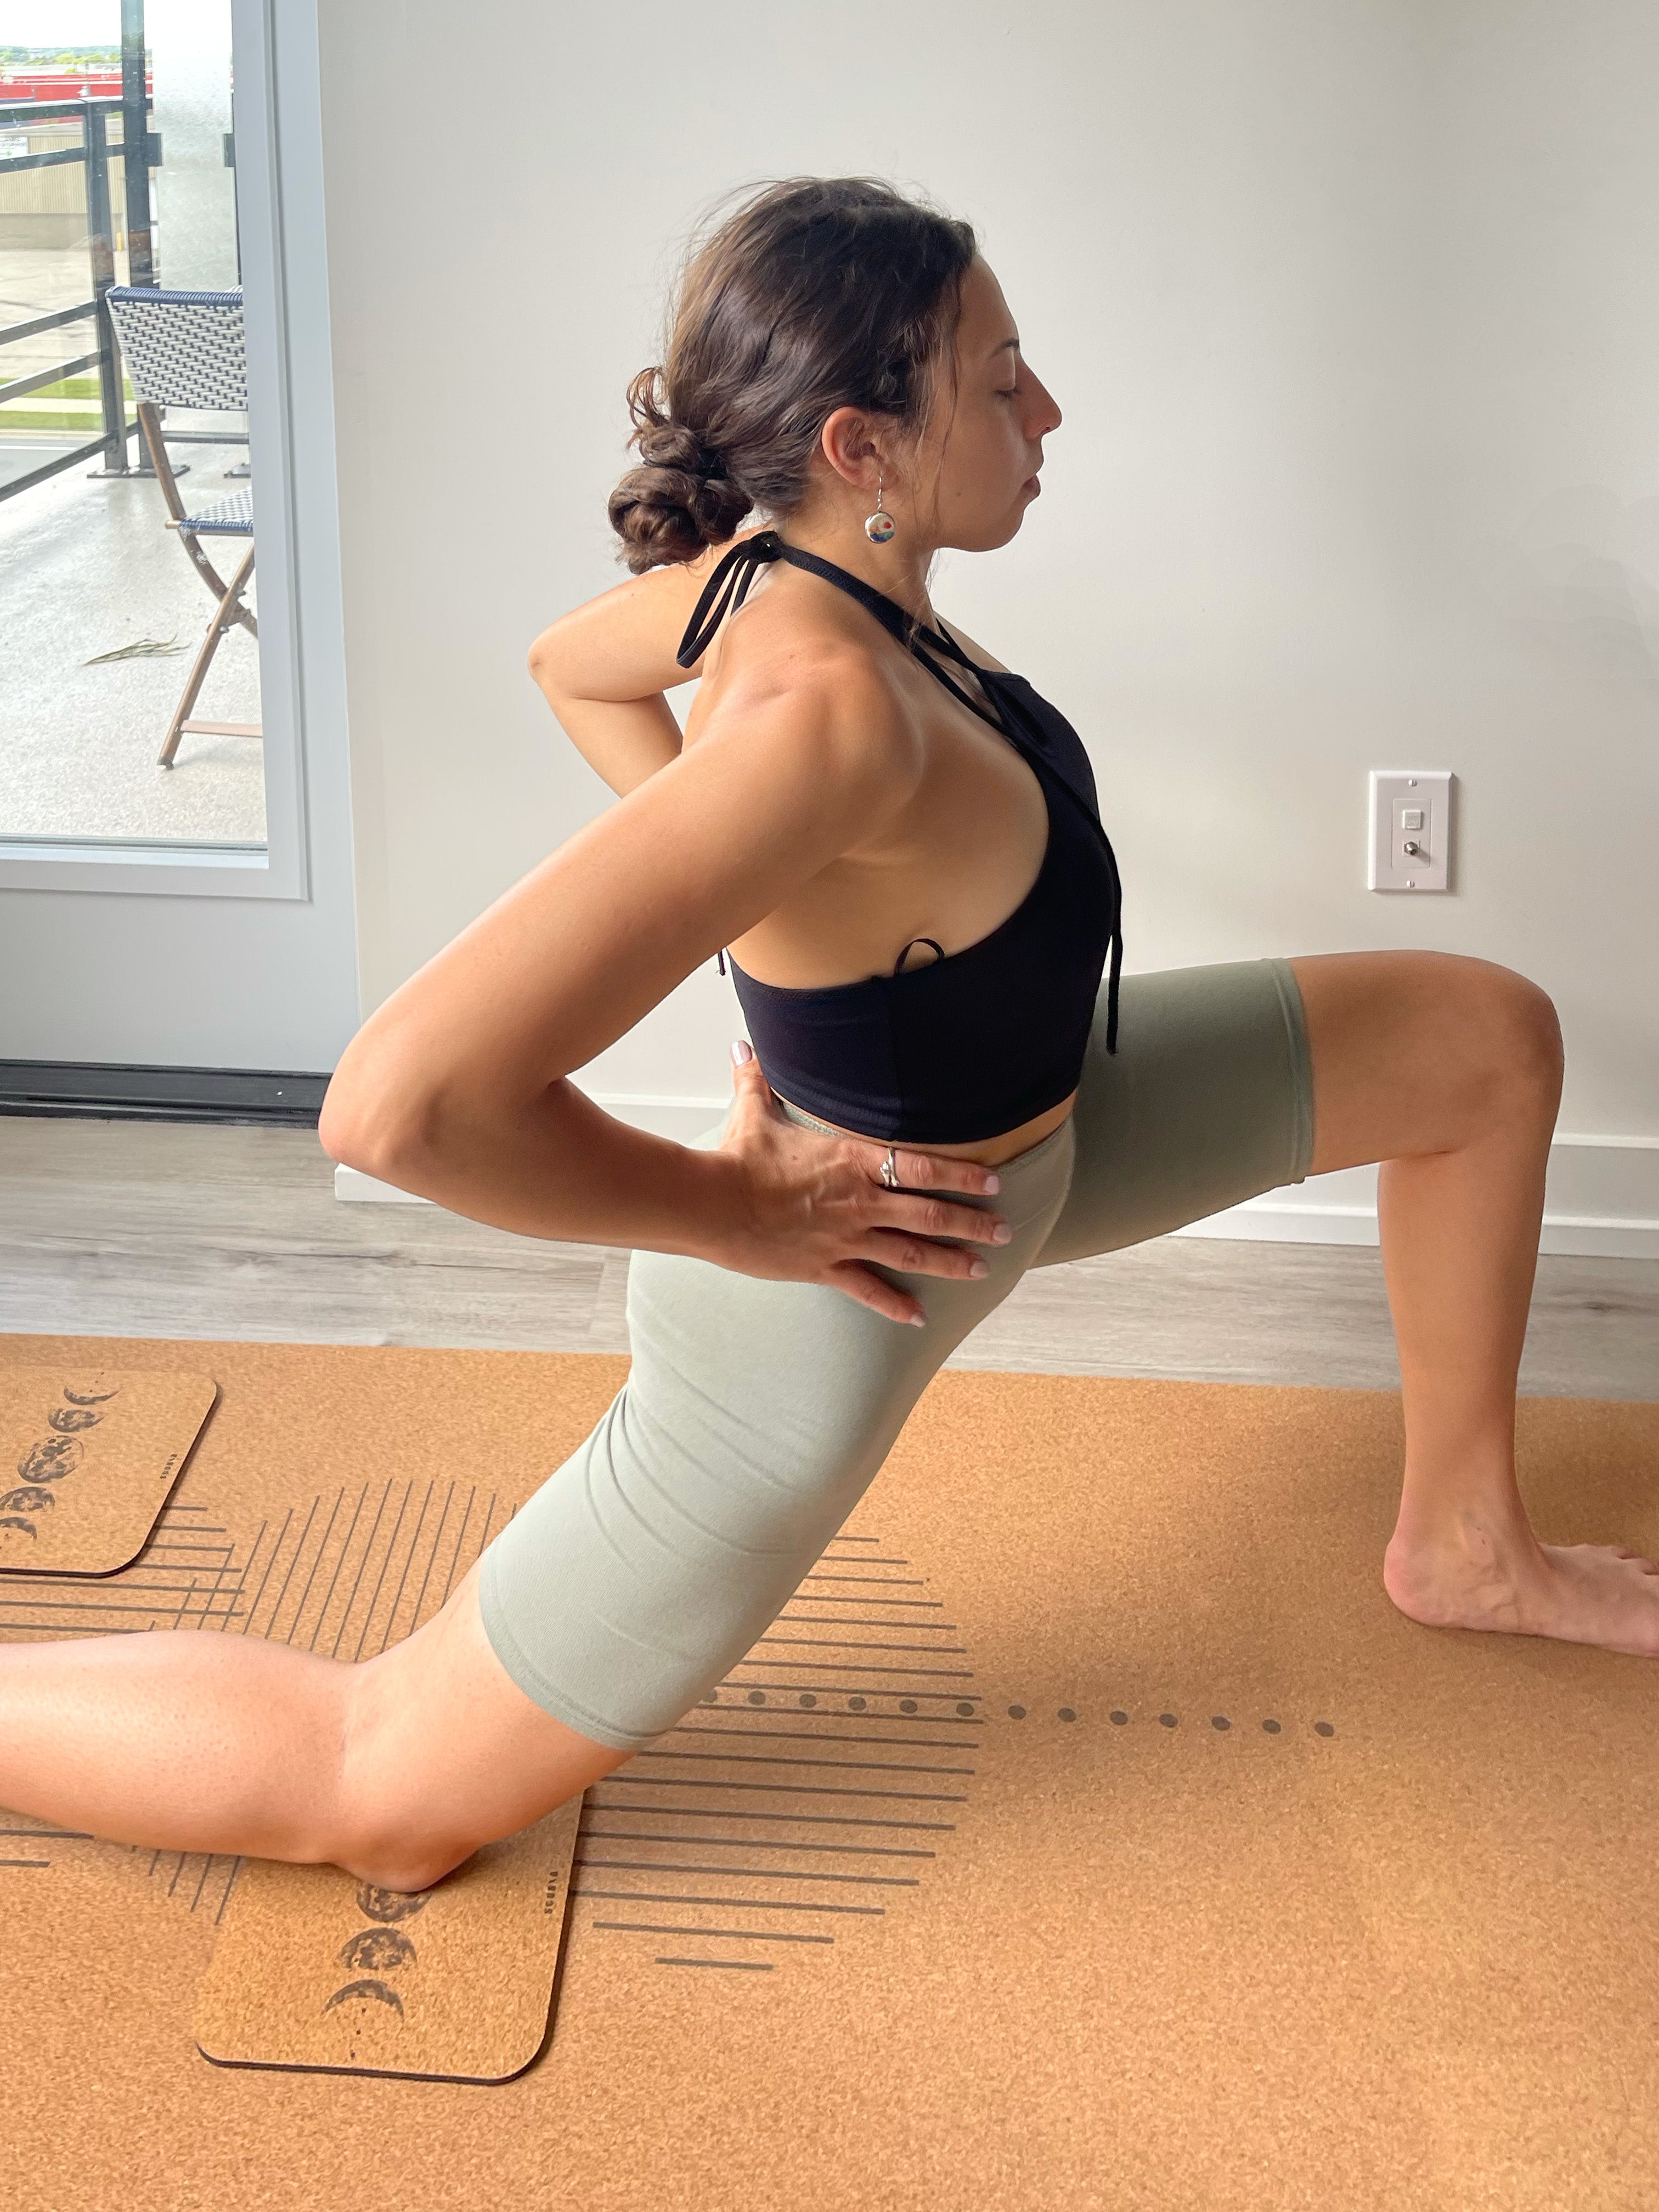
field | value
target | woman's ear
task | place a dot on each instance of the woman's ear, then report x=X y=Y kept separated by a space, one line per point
x=850 y=445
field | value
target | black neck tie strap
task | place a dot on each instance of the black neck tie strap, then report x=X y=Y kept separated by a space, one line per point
x=725 y=592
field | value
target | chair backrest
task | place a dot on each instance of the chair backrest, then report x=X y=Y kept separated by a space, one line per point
x=182 y=349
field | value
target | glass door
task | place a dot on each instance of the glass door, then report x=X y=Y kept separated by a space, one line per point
x=174 y=860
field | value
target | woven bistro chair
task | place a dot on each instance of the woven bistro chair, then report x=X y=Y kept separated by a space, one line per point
x=186 y=350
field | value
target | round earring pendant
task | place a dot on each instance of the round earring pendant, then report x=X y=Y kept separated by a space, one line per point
x=879 y=527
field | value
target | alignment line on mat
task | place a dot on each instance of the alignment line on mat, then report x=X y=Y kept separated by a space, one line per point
x=240 y=1590
x=754 y=1874
x=750 y=1844
x=830 y=1766
x=322 y=1553
x=345 y=1552
x=796 y=1789
x=287 y=1520
x=747 y=1935
x=379 y=1580
x=460 y=1538
x=739 y=1966
x=97 y=1605
x=821 y=1667
x=745 y=1904
x=437 y=1538
x=875 y=1582
x=282 y=1594
x=816 y=1819
x=362 y=1564
x=801 y=1735
x=915 y=1604
x=414 y=1546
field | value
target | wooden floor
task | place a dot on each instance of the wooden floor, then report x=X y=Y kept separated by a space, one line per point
x=156 y=1228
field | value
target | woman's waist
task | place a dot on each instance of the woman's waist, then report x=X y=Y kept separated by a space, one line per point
x=987 y=1152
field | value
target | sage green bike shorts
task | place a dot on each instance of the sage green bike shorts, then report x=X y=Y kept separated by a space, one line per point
x=756 y=1413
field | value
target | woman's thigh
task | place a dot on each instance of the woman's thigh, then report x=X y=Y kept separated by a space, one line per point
x=1207 y=1101
x=1420 y=1052
x=755 y=1416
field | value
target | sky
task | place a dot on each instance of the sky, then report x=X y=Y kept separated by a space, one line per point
x=60 y=22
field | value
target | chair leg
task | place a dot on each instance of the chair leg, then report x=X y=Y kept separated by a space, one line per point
x=227 y=613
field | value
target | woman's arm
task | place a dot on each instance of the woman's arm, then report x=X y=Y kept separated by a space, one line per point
x=456 y=1088
x=604 y=666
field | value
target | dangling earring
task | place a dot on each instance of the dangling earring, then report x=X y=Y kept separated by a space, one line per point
x=879 y=527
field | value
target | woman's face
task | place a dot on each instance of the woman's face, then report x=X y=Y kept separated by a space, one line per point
x=975 y=467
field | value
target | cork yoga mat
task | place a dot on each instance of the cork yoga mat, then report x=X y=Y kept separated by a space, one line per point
x=1089 y=1830
x=87 y=1455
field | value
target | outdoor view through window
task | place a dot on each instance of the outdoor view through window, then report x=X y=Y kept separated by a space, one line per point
x=129 y=660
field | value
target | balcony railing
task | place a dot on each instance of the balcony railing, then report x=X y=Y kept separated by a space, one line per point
x=94 y=151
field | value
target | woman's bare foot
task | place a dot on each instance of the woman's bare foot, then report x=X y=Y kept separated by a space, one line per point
x=1603 y=1593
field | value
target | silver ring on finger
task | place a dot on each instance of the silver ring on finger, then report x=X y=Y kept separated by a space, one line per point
x=889 y=1169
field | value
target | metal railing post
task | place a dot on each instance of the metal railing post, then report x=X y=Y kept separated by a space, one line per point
x=100 y=247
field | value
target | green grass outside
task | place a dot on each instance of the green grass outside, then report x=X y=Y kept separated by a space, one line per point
x=16 y=418
x=26 y=414
x=74 y=387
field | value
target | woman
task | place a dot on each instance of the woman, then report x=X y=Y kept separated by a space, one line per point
x=859 y=783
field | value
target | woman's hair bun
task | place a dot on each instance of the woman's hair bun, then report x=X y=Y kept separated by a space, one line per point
x=815 y=293
x=680 y=498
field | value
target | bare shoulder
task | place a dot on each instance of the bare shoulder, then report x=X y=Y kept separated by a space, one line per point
x=975 y=653
x=819 y=695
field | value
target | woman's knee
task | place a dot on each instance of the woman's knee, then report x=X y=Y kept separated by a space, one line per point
x=1513 y=1035
x=442 y=1752
x=1424 y=1052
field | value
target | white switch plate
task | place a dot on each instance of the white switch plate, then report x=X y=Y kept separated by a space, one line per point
x=1394 y=792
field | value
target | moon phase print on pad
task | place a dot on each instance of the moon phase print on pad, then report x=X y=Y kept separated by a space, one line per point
x=95 y=1458
x=382 y=1949
x=71 y=1420
x=47 y=1459
x=51 y=1458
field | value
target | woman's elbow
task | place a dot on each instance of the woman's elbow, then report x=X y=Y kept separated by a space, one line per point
x=378 y=1134
x=545 y=662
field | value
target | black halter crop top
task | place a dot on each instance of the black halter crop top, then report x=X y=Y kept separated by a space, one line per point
x=975 y=1042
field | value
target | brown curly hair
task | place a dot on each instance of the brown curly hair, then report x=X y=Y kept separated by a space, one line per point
x=817 y=293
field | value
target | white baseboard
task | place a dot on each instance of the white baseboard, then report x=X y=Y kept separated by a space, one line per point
x=352 y=1182
x=1602 y=1198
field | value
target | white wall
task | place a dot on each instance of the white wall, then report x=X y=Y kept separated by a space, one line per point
x=1353 y=314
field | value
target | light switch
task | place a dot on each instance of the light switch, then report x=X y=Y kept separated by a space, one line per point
x=1410 y=841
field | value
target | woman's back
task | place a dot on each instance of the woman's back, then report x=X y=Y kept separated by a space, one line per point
x=984 y=1037
x=964 y=840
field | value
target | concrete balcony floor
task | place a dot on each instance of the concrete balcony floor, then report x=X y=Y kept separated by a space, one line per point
x=87 y=565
